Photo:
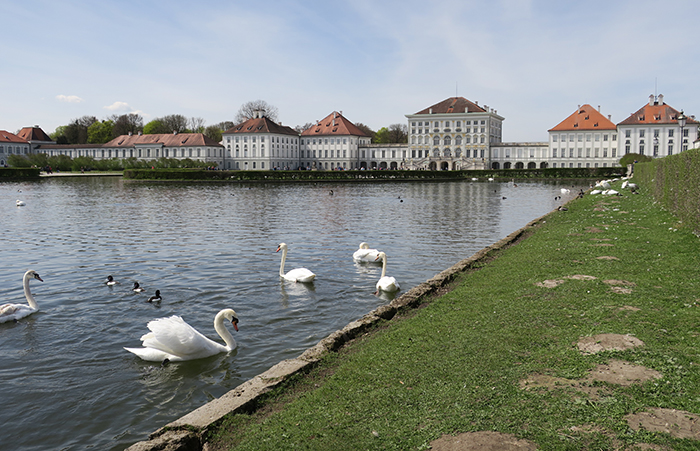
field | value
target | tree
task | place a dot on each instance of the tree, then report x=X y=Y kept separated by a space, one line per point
x=302 y=128
x=174 y=123
x=76 y=131
x=366 y=130
x=196 y=124
x=249 y=109
x=100 y=132
x=59 y=135
x=398 y=133
x=382 y=136
x=155 y=127
x=213 y=132
x=126 y=123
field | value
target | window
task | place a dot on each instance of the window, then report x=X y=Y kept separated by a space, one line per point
x=605 y=138
x=628 y=133
x=641 y=133
x=670 y=133
x=554 y=138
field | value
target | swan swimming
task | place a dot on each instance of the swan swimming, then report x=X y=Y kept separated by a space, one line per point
x=385 y=282
x=172 y=339
x=155 y=298
x=9 y=312
x=137 y=288
x=365 y=254
x=19 y=203
x=295 y=275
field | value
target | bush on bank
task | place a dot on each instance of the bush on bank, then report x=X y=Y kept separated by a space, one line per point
x=673 y=181
x=18 y=173
x=65 y=163
x=390 y=175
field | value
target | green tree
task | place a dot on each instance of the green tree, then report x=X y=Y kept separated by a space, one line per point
x=382 y=136
x=213 y=132
x=59 y=135
x=100 y=132
x=18 y=161
x=156 y=126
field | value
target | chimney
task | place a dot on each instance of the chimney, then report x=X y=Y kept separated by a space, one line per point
x=661 y=99
x=610 y=117
x=130 y=133
x=651 y=99
x=174 y=132
x=430 y=111
x=599 y=108
x=140 y=133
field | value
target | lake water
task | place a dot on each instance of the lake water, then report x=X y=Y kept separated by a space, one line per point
x=67 y=383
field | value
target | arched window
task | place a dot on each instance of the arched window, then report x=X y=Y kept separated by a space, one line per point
x=458 y=141
x=448 y=140
x=436 y=141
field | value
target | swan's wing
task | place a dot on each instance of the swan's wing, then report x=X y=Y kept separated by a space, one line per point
x=152 y=355
x=174 y=336
x=366 y=255
x=11 y=312
x=300 y=275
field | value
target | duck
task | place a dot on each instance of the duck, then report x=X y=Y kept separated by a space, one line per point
x=295 y=275
x=386 y=283
x=365 y=254
x=155 y=298
x=14 y=312
x=137 y=288
x=19 y=203
x=110 y=281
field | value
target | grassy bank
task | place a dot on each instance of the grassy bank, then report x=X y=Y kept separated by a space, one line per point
x=475 y=358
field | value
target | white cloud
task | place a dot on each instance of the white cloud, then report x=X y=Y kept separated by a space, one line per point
x=69 y=99
x=119 y=106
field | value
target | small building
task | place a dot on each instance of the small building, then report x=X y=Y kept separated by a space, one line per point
x=334 y=143
x=12 y=144
x=654 y=130
x=453 y=134
x=585 y=139
x=195 y=146
x=262 y=144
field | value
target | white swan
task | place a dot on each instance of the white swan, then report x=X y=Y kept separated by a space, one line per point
x=386 y=283
x=9 y=312
x=172 y=339
x=295 y=275
x=365 y=254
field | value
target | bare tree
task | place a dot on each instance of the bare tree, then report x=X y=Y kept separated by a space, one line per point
x=366 y=130
x=174 y=122
x=77 y=131
x=398 y=133
x=249 y=109
x=126 y=123
x=302 y=128
x=196 y=124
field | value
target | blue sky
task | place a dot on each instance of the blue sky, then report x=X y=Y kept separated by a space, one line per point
x=534 y=61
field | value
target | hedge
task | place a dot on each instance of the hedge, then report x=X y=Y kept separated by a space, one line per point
x=674 y=182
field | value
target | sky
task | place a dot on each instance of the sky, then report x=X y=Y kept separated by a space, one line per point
x=533 y=61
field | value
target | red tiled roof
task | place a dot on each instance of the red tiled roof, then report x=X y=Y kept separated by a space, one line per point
x=261 y=125
x=658 y=113
x=585 y=118
x=454 y=105
x=34 y=134
x=335 y=124
x=166 y=140
x=7 y=137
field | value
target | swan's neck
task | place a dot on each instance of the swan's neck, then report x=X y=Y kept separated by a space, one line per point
x=284 y=257
x=383 y=266
x=28 y=294
x=223 y=331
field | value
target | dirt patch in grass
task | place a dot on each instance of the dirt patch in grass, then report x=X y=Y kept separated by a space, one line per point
x=550 y=283
x=581 y=277
x=630 y=308
x=482 y=441
x=607 y=257
x=616 y=372
x=607 y=342
x=677 y=423
x=594 y=230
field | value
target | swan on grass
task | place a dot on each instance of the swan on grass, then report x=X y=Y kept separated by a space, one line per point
x=173 y=340
x=295 y=275
x=10 y=312
x=365 y=254
x=386 y=283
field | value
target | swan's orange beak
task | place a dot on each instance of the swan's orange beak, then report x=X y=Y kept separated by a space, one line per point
x=234 y=321
x=278 y=249
x=36 y=276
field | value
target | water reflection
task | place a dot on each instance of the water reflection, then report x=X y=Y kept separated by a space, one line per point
x=206 y=247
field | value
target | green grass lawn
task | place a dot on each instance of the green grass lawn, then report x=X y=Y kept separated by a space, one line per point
x=456 y=363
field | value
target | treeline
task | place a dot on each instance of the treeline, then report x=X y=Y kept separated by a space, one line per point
x=85 y=163
x=90 y=130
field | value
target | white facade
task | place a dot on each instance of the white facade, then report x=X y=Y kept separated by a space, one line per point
x=655 y=131
x=261 y=144
x=583 y=149
x=452 y=135
x=525 y=155
x=334 y=143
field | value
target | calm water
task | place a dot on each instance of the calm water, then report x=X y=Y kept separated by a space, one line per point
x=66 y=381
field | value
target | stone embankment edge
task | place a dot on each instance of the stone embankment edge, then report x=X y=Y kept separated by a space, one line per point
x=185 y=433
